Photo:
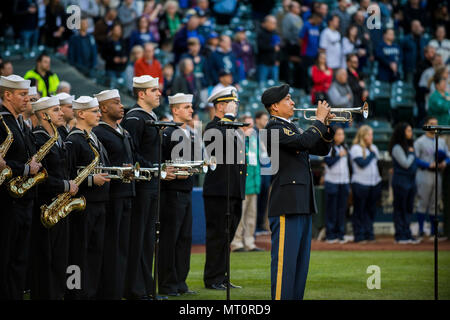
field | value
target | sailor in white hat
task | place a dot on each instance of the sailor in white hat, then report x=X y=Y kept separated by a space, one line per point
x=65 y=101
x=51 y=243
x=87 y=230
x=176 y=203
x=118 y=144
x=28 y=118
x=14 y=93
x=146 y=142
x=225 y=103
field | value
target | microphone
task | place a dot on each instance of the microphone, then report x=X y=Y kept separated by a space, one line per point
x=436 y=128
x=232 y=124
x=160 y=124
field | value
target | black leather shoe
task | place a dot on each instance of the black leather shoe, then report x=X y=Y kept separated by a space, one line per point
x=188 y=292
x=217 y=286
x=232 y=286
x=158 y=297
x=170 y=294
x=256 y=249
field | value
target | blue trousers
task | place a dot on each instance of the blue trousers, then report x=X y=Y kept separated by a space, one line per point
x=266 y=72
x=336 y=196
x=364 y=208
x=291 y=246
x=403 y=209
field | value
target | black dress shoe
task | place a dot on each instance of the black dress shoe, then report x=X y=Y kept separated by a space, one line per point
x=232 y=286
x=158 y=297
x=256 y=249
x=170 y=294
x=188 y=292
x=218 y=286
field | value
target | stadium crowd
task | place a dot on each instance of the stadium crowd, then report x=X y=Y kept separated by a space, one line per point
x=326 y=50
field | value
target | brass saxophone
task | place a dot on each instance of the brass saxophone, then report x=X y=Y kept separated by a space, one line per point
x=63 y=204
x=20 y=185
x=6 y=173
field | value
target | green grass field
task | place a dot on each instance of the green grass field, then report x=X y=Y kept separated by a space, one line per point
x=334 y=275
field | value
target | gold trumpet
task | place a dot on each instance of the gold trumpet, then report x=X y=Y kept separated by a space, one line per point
x=189 y=168
x=125 y=174
x=6 y=173
x=364 y=110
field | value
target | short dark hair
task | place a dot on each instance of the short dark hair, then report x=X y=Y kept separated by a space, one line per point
x=137 y=90
x=41 y=56
x=260 y=113
x=428 y=118
x=350 y=56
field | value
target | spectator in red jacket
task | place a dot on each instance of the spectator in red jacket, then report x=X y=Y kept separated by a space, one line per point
x=322 y=76
x=148 y=65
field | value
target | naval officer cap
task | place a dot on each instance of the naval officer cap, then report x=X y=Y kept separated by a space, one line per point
x=107 y=94
x=145 y=82
x=45 y=103
x=14 y=82
x=84 y=102
x=65 y=98
x=180 y=98
x=225 y=94
x=274 y=95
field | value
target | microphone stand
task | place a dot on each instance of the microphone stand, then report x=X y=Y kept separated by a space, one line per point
x=229 y=125
x=159 y=125
x=437 y=130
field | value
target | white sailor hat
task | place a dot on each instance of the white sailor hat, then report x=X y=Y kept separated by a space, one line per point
x=180 y=98
x=32 y=91
x=145 y=82
x=14 y=82
x=64 y=98
x=84 y=102
x=44 y=103
x=107 y=94
x=225 y=94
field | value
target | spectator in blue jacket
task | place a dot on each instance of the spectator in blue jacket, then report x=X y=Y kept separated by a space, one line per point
x=82 y=52
x=268 y=48
x=141 y=35
x=189 y=30
x=388 y=55
x=223 y=58
x=414 y=44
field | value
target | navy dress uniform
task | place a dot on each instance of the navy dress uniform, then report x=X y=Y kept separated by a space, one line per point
x=118 y=144
x=139 y=279
x=49 y=246
x=64 y=99
x=16 y=217
x=87 y=228
x=176 y=213
x=215 y=196
x=292 y=202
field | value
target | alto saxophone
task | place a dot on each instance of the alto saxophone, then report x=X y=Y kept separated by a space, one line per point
x=6 y=173
x=63 y=204
x=20 y=185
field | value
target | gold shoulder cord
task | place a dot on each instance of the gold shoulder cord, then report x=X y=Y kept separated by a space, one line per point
x=321 y=134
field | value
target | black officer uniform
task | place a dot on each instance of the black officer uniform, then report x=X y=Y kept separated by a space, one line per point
x=176 y=220
x=118 y=144
x=15 y=220
x=215 y=201
x=139 y=280
x=50 y=246
x=291 y=201
x=87 y=228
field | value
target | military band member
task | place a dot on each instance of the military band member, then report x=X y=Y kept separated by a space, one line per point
x=50 y=246
x=87 y=227
x=15 y=223
x=139 y=279
x=65 y=101
x=118 y=144
x=291 y=202
x=28 y=115
x=176 y=203
x=215 y=192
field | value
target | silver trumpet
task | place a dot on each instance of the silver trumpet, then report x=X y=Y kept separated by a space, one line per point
x=189 y=168
x=145 y=174
x=125 y=174
x=347 y=113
